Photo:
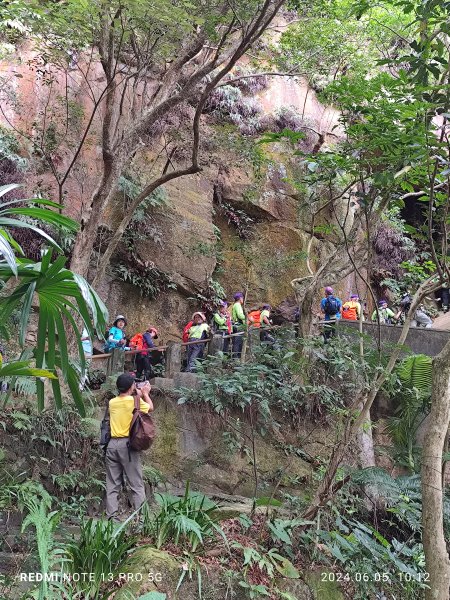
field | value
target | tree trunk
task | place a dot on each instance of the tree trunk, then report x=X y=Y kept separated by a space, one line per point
x=366 y=453
x=436 y=555
x=91 y=219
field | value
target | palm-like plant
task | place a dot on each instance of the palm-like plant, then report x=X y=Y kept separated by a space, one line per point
x=13 y=208
x=64 y=298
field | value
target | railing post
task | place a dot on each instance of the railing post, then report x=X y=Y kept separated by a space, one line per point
x=116 y=362
x=173 y=359
x=216 y=344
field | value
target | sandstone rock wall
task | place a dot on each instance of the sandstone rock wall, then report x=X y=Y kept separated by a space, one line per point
x=187 y=250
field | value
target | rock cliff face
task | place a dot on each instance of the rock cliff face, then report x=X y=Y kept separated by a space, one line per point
x=198 y=241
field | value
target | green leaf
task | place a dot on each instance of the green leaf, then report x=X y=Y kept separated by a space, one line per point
x=4 y=221
x=25 y=314
x=7 y=252
x=267 y=501
x=46 y=216
x=279 y=533
x=22 y=369
x=416 y=371
x=286 y=568
x=5 y=189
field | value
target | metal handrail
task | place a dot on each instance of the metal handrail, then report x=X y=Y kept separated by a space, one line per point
x=200 y=341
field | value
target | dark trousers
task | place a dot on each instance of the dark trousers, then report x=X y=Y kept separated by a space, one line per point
x=445 y=295
x=226 y=341
x=143 y=365
x=238 y=342
x=329 y=330
x=194 y=352
x=266 y=337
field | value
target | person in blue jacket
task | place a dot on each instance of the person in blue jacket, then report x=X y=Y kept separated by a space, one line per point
x=331 y=308
x=116 y=335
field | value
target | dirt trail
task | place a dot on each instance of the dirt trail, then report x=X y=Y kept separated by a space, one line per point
x=442 y=322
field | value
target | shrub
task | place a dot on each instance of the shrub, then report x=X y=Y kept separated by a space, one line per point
x=239 y=219
x=230 y=104
x=145 y=276
x=261 y=385
x=100 y=549
x=189 y=520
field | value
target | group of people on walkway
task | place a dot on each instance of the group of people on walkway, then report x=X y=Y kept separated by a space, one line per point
x=334 y=309
x=230 y=322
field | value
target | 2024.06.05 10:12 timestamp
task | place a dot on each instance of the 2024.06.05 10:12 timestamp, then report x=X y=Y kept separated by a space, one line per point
x=377 y=577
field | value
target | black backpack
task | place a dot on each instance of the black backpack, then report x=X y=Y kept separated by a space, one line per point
x=331 y=306
x=105 y=430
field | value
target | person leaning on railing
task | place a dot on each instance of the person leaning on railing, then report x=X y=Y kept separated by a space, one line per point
x=387 y=316
x=222 y=324
x=198 y=331
x=266 y=325
x=239 y=321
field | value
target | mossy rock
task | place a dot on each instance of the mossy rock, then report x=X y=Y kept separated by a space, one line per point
x=297 y=588
x=323 y=590
x=106 y=391
x=149 y=569
x=165 y=450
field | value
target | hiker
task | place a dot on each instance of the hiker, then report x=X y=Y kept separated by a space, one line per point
x=266 y=325
x=185 y=336
x=331 y=307
x=116 y=335
x=387 y=316
x=297 y=316
x=142 y=341
x=351 y=310
x=254 y=317
x=405 y=305
x=445 y=298
x=86 y=343
x=198 y=331
x=119 y=458
x=222 y=324
x=421 y=319
x=239 y=324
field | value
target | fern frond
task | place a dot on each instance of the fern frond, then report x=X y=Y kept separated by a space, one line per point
x=416 y=372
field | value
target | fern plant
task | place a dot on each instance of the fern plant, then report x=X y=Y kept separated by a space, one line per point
x=416 y=372
x=413 y=396
x=45 y=524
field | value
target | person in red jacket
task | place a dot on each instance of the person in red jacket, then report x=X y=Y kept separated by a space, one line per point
x=143 y=359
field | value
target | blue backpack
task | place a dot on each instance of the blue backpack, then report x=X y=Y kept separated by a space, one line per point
x=331 y=306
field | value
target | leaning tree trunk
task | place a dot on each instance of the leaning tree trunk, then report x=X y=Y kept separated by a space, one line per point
x=436 y=555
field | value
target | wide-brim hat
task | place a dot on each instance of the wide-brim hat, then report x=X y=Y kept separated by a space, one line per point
x=153 y=330
x=119 y=318
x=200 y=314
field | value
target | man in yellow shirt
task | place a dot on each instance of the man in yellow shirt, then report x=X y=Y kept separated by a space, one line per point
x=119 y=458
